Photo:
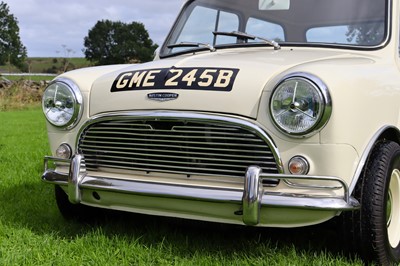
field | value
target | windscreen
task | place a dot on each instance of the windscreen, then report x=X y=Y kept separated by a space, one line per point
x=355 y=23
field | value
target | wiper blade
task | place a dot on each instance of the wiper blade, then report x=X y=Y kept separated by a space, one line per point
x=192 y=44
x=243 y=35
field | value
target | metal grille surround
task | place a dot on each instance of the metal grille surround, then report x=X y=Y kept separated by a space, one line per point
x=175 y=146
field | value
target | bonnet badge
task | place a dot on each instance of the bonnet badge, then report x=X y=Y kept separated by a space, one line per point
x=163 y=96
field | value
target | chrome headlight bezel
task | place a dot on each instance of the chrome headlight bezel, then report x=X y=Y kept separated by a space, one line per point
x=321 y=102
x=55 y=101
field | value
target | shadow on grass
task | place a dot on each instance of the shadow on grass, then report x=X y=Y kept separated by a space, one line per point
x=32 y=206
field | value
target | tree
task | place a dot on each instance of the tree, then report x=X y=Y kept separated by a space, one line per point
x=12 y=50
x=366 y=33
x=111 y=42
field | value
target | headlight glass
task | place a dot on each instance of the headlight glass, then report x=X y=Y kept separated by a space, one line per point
x=62 y=103
x=300 y=105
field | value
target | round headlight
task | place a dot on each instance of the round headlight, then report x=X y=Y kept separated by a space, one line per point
x=62 y=103
x=300 y=105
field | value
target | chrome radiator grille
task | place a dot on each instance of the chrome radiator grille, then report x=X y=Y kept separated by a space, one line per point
x=174 y=146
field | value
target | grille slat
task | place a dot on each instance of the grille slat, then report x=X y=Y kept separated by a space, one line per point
x=134 y=140
x=174 y=171
x=99 y=144
x=171 y=146
x=173 y=130
x=171 y=159
x=173 y=136
x=180 y=154
x=155 y=163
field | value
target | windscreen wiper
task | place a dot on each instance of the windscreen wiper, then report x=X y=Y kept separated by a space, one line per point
x=245 y=36
x=192 y=44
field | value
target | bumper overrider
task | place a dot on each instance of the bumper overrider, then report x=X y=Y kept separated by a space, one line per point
x=252 y=202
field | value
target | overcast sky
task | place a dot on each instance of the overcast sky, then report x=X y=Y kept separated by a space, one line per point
x=46 y=25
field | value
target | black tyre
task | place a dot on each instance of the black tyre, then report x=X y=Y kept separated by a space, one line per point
x=376 y=226
x=73 y=211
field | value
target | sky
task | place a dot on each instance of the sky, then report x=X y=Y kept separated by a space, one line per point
x=50 y=28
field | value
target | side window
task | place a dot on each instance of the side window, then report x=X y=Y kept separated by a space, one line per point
x=203 y=21
x=265 y=29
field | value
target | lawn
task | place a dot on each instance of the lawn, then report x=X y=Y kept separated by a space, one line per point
x=32 y=232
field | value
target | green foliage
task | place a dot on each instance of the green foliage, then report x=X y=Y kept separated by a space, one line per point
x=21 y=94
x=111 y=42
x=366 y=33
x=11 y=48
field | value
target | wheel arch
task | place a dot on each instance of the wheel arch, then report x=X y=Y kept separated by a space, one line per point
x=385 y=133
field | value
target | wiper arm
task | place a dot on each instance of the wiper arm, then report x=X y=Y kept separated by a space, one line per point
x=192 y=44
x=243 y=35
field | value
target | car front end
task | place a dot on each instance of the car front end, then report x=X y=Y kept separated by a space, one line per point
x=201 y=148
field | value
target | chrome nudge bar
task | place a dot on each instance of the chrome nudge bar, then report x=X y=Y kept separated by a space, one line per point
x=251 y=198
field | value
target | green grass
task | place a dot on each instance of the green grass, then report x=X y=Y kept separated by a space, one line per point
x=32 y=232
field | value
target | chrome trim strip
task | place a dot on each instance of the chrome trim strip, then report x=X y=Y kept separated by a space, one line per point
x=365 y=155
x=212 y=194
x=295 y=185
x=54 y=159
x=343 y=184
x=252 y=197
x=242 y=122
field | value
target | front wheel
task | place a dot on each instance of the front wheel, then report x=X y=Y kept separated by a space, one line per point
x=377 y=225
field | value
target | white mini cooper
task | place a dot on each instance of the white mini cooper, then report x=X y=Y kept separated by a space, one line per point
x=276 y=113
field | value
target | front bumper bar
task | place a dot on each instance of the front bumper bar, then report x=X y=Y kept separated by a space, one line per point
x=252 y=197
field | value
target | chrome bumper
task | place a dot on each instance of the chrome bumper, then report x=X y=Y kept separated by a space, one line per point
x=251 y=198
